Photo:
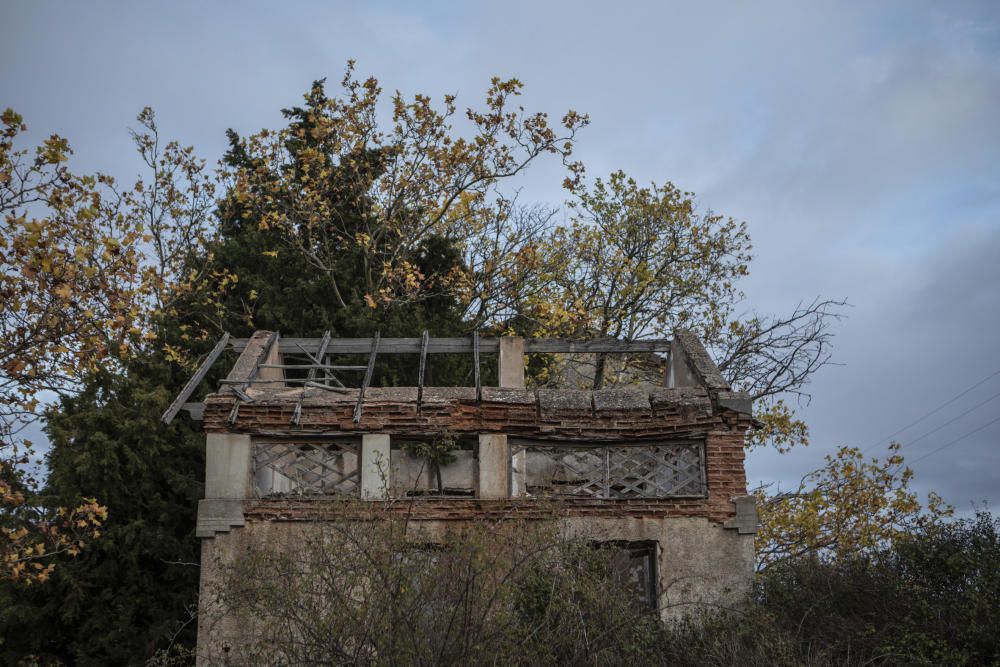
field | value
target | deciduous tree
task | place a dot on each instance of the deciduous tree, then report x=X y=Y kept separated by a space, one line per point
x=850 y=506
x=68 y=297
x=638 y=262
x=337 y=185
x=87 y=267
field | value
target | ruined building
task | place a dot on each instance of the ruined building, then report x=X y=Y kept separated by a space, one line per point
x=659 y=469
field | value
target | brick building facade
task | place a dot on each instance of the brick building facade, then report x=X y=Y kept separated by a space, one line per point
x=661 y=467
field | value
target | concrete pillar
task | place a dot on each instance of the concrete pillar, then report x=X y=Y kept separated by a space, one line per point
x=375 y=452
x=512 y=362
x=512 y=377
x=499 y=475
x=518 y=474
x=227 y=466
x=494 y=466
x=227 y=483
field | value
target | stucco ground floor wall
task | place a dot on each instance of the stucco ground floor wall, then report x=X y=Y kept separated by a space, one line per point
x=699 y=564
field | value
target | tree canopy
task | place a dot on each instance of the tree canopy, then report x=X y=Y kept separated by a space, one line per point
x=358 y=215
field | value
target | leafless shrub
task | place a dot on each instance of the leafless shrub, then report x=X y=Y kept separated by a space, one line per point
x=377 y=588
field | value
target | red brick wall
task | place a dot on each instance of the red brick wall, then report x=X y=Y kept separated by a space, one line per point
x=567 y=417
x=667 y=412
x=725 y=476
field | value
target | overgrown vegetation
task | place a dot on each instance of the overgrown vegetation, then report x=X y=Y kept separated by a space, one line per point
x=382 y=590
x=932 y=599
x=523 y=593
x=850 y=506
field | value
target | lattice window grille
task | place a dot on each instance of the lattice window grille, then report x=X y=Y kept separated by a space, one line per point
x=300 y=468
x=660 y=471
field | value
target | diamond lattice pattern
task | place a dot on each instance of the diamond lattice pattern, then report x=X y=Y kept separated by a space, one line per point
x=329 y=468
x=660 y=471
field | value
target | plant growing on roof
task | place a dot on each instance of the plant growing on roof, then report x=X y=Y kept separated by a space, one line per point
x=438 y=452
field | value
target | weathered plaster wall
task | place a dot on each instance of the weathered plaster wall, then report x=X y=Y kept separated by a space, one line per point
x=700 y=565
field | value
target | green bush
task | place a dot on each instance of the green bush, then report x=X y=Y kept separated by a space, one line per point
x=933 y=599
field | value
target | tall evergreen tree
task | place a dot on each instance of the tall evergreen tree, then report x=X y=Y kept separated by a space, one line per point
x=281 y=289
x=132 y=591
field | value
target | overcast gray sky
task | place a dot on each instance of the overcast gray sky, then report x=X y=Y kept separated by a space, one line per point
x=859 y=140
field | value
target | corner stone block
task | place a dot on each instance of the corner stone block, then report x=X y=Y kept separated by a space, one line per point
x=227 y=466
x=375 y=452
x=494 y=462
x=745 y=521
x=218 y=515
x=736 y=401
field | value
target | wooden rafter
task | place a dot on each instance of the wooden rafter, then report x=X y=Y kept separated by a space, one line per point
x=311 y=376
x=475 y=364
x=464 y=345
x=195 y=380
x=424 y=341
x=368 y=378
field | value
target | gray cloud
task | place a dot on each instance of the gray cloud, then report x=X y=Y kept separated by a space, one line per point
x=923 y=331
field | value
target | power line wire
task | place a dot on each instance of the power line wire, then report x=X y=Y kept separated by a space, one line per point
x=952 y=420
x=956 y=440
x=934 y=411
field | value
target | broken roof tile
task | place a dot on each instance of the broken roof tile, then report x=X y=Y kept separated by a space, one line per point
x=627 y=398
x=508 y=396
x=564 y=400
x=445 y=394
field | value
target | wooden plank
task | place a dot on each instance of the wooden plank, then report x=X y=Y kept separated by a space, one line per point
x=234 y=414
x=321 y=354
x=565 y=346
x=368 y=377
x=314 y=367
x=475 y=364
x=318 y=359
x=386 y=346
x=464 y=345
x=424 y=341
x=195 y=380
